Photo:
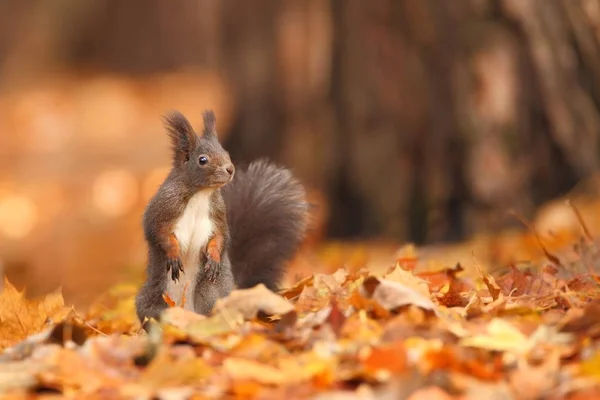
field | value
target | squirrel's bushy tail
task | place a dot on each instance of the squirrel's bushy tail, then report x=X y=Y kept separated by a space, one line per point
x=267 y=218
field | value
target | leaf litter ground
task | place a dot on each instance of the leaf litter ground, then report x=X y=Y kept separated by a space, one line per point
x=524 y=332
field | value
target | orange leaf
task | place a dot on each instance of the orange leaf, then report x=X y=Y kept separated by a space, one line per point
x=168 y=300
x=391 y=357
x=21 y=317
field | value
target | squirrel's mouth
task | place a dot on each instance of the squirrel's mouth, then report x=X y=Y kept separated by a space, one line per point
x=222 y=183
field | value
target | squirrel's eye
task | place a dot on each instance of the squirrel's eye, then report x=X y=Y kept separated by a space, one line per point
x=202 y=160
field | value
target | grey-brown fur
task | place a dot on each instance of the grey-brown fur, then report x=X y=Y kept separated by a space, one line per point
x=166 y=206
x=266 y=211
x=261 y=214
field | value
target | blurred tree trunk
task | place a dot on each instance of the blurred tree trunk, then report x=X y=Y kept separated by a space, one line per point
x=457 y=112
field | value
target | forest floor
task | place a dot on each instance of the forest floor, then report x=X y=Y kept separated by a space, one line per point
x=510 y=316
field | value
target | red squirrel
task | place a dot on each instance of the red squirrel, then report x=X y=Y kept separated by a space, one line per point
x=210 y=228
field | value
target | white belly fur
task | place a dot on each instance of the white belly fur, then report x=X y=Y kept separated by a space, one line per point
x=192 y=230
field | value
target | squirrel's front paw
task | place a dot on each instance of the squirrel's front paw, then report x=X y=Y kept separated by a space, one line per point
x=175 y=266
x=212 y=270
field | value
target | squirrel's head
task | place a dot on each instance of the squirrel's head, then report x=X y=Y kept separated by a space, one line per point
x=201 y=159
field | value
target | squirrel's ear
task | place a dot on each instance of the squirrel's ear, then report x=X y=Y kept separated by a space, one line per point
x=210 y=123
x=182 y=135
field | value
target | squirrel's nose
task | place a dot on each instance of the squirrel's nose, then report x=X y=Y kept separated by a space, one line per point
x=230 y=169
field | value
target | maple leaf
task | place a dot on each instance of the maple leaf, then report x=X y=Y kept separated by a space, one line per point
x=407 y=279
x=449 y=295
x=21 y=317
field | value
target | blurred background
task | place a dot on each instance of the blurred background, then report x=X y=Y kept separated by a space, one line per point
x=420 y=121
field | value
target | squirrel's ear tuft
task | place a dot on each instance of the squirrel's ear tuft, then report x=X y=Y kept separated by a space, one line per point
x=210 y=123
x=182 y=135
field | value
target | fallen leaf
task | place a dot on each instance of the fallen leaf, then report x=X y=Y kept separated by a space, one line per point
x=242 y=369
x=490 y=283
x=295 y=290
x=249 y=302
x=168 y=371
x=170 y=302
x=515 y=282
x=392 y=295
x=289 y=370
x=408 y=279
x=530 y=382
x=406 y=257
x=180 y=317
x=501 y=336
x=20 y=317
x=336 y=317
x=430 y=393
x=331 y=283
x=224 y=321
x=390 y=358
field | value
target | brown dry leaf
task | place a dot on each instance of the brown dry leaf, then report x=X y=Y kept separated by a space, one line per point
x=336 y=317
x=490 y=283
x=249 y=302
x=21 y=317
x=392 y=295
x=295 y=290
x=362 y=303
x=450 y=295
x=583 y=321
x=515 y=282
x=474 y=307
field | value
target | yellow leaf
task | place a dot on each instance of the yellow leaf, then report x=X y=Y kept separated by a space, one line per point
x=165 y=371
x=407 y=279
x=21 y=317
x=220 y=323
x=241 y=369
x=292 y=369
x=500 y=336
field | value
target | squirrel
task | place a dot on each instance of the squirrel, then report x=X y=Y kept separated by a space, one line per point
x=210 y=228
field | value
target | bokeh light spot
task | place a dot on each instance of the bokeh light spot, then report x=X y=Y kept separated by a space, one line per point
x=115 y=192
x=18 y=215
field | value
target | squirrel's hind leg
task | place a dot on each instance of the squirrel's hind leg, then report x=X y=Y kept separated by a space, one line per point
x=207 y=292
x=149 y=302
